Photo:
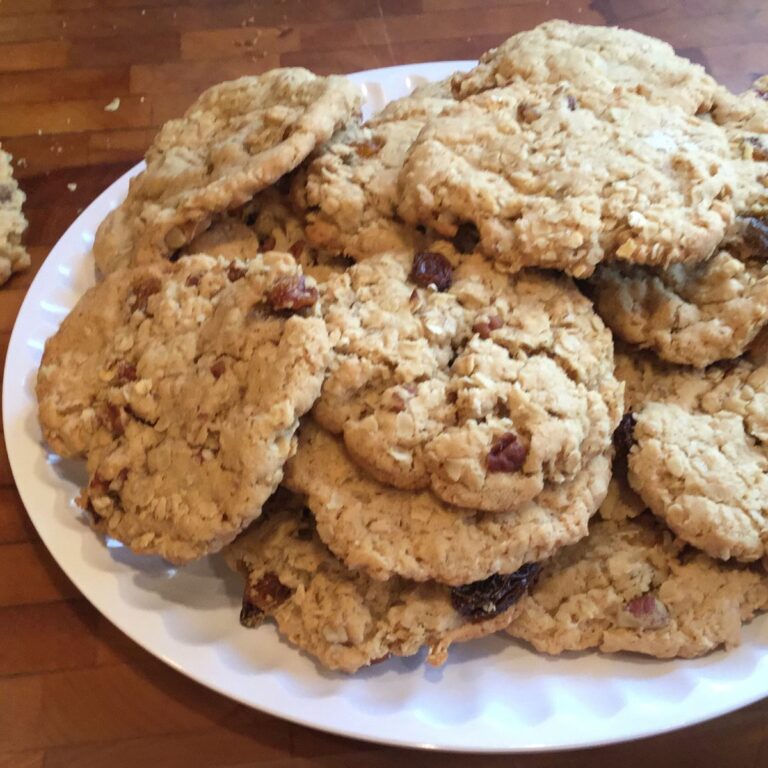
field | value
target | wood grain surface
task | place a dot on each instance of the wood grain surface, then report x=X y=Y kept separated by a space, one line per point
x=73 y=690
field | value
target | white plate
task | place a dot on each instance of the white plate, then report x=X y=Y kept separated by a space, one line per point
x=492 y=696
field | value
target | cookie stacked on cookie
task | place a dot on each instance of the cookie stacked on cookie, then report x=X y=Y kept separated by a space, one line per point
x=356 y=357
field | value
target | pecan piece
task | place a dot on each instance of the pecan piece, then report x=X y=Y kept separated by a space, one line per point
x=142 y=290
x=292 y=293
x=494 y=595
x=431 y=268
x=507 y=454
x=124 y=373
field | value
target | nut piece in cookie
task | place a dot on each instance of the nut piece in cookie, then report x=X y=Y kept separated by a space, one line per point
x=385 y=531
x=182 y=386
x=451 y=376
x=629 y=586
x=343 y=618
x=237 y=139
x=13 y=255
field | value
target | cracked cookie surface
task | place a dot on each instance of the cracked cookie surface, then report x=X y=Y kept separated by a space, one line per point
x=238 y=138
x=182 y=385
x=385 y=531
x=484 y=391
x=629 y=586
x=343 y=618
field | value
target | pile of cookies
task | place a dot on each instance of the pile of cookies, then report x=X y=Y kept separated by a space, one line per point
x=375 y=363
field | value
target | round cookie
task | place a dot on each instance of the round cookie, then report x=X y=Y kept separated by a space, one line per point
x=698 y=458
x=629 y=586
x=385 y=531
x=13 y=255
x=343 y=618
x=560 y=177
x=483 y=391
x=182 y=384
x=693 y=314
x=350 y=189
x=598 y=58
x=235 y=140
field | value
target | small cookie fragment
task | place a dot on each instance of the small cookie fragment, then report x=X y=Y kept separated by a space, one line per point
x=183 y=388
x=630 y=587
x=387 y=532
x=480 y=386
x=13 y=255
x=343 y=618
x=550 y=185
x=238 y=138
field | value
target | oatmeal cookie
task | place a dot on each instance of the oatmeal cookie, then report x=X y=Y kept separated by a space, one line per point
x=385 y=531
x=629 y=586
x=593 y=58
x=558 y=177
x=13 y=255
x=480 y=386
x=343 y=618
x=182 y=385
x=235 y=140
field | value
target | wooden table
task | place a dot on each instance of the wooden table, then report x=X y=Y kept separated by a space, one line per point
x=73 y=690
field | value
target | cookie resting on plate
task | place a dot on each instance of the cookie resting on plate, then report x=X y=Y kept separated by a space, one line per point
x=345 y=619
x=478 y=385
x=182 y=385
x=237 y=139
x=386 y=531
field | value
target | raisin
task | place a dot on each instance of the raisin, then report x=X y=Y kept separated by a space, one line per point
x=572 y=103
x=494 y=595
x=5 y=193
x=527 y=113
x=296 y=249
x=368 y=148
x=114 y=420
x=644 y=612
x=142 y=290
x=484 y=327
x=234 y=272
x=430 y=268
x=507 y=454
x=624 y=439
x=267 y=593
x=267 y=243
x=124 y=373
x=466 y=238
x=756 y=233
x=218 y=368
x=192 y=281
x=759 y=150
x=292 y=293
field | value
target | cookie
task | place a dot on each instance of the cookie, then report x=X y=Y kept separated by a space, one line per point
x=343 y=618
x=13 y=255
x=598 y=58
x=235 y=140
x=480 y=386
x=182 y=385
x=629 y=586
x=385 y=531
x=561 y=177
x=350 y=189
x=692 y=314
x=697 y=457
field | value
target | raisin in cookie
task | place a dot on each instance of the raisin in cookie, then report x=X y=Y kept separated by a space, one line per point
x=598 y=58
x=698 y=457
x=553 y=176
x=182 y=385
x=345 y=619
x=350 y=189
x=480 y=386
x=629 y=586
x=386 y=531
x=235 y=140
x=13 y=255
